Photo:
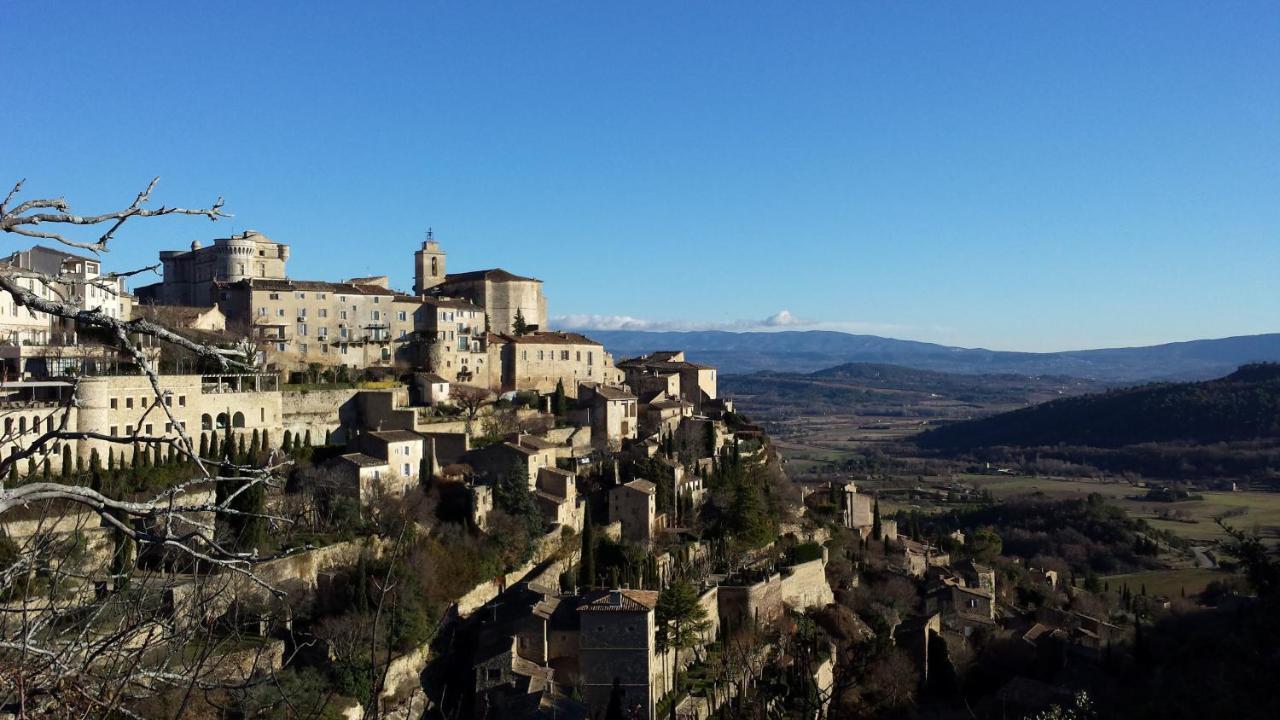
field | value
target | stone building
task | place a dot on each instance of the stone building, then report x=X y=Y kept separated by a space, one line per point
x=402 y=450
x=539 y=361
x=190 y=276
x=503 y=296
x=611 y=412
x=365 y=478
x=456 y=340
x=634 y=504
x=299 y=322
x=34 y=345
x=520 y=453
x=654 y=371
x=617 y=644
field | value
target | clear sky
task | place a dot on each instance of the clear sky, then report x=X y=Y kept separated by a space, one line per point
x=1020 y=175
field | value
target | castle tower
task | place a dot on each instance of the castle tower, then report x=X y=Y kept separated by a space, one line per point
x=428 y=264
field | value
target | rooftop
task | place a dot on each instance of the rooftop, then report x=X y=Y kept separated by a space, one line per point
x=492 y=275
x=396 y=436
x=362 y=460
x=643 y=486
x=287 y=285
x=550 y=338
x=622 y=601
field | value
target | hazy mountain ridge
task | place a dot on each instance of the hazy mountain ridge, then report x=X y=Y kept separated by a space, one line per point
x=1243 y=406
x=812 y=350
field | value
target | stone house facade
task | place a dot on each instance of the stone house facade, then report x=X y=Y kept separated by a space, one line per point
x=634 y=504
x=616 y=642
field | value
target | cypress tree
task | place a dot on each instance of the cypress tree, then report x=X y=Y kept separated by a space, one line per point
x=133 y=462
x=229 y=443
x=328 y=437
x=66 y=462
x=31 y=467
x=255 y=446
x=288 y=441
x=266 y=440
x=306 y=441
x=44 y=471
x=13 y=474
x=587 y=564
x=204 y=445
x=875 y=519
x=241 y=452
x=80 y=464
x=95 y=462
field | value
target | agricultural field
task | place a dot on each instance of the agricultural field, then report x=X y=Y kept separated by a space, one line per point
x=1169 y=583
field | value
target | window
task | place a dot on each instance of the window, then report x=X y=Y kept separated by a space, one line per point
x=342 y=298
x=114 y=403
x=302 y=348
x=262 y=414
x=324 y=312
x=302 y=312
x=206 y=422
x=274 y=296
x=279 y=312
x=168 y=400
x=149 y=429
x=168 y=428
x=322 y=296
x=539 y=354
x=524 y=354
x=589 y=356
x=128 y=429
x=342 y=314
x=128 y=403
x=262 y=312
x=564 y=354
x=406 y=470
x=237 y=420
x=402 y=316
x=300 y=296
x=182 y=401
x=376 y=315
x=377 y=299
x=403 y=334
x=322 y=332
x=342 y=333
x=279 y=347
x=115 y=430
x=302 y=329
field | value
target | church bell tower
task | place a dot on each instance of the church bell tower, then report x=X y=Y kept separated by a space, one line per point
x=428 y=265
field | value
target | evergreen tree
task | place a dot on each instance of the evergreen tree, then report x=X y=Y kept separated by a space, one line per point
x=559 y=400
x=288 y=441
x=14 y=481
x=66 y=462
x=328 y=437
x=616 y=697
x=519 y=326
x=255 y=446
x=587 y=565
x=31 y=468
x=306 y=441
x=45 y=473
x=228 y=442
x=111 y=459
x=80 y=464
x=876 y=527
x=241 y=450
x=204 y=445
x=681 y=621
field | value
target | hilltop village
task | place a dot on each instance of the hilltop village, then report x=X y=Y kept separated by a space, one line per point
x=476 y=516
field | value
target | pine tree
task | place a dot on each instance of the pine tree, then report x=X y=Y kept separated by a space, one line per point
x=519 y=326
x=587 y=565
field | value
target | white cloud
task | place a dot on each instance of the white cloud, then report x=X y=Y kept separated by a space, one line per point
x=780 y=319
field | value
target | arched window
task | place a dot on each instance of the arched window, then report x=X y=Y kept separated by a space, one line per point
x=22 y=425
x=206 y=422
x=237 y=420
x=222 y=421
x=35 y=424
x=8 y=426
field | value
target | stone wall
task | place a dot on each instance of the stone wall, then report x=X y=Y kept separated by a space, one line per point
x=805 y=586
x=762 y=602
x=319 y=411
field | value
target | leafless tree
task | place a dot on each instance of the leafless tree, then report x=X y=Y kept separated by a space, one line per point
x=470 y=400
x=86 y=628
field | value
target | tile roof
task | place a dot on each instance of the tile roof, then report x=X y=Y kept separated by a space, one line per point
x=610 y=392
x=362 y=460
x=396 y=435
x=449 y=302
x=622 y=601
x=492 y=275
x=287 y=285
x=643 y=486
x=550 y=338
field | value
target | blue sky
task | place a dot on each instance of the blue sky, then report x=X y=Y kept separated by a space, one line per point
x=1031 y=176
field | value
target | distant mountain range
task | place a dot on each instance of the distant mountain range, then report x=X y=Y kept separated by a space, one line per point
x=808 y=351
x=1243 y=406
